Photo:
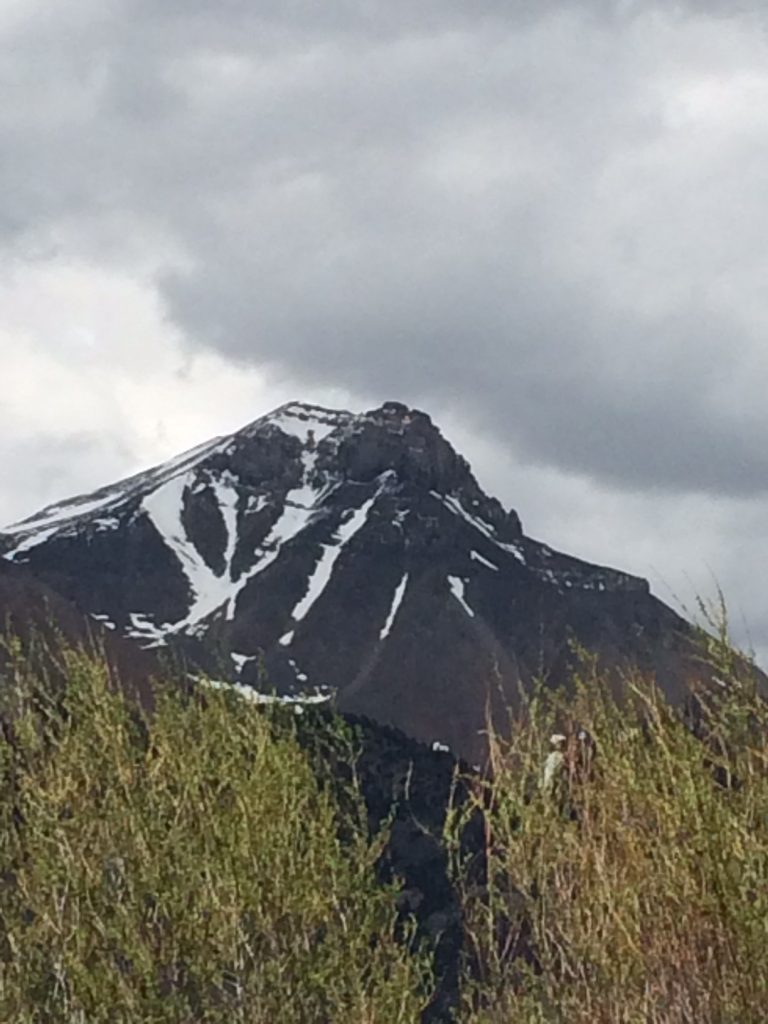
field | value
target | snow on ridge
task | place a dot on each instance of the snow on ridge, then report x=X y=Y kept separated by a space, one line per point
x=40 y=533
x=299 y=421
x=457 y=589
x=31 y=541
x=68 y=512
x=453 y=504
x=396 y=600
x=294 y=418
x=298 y=418
x=55 y=516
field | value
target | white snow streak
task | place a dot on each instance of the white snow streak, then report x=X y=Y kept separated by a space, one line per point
x=256 y=697
x=40 y=534
x=209 y=590
x=77 y=508
x=103 y=620
x=241 y=660
x=31 y=542
x=142 y=628
x=454 y=505
x=483 y=561
x=457 y=589
x=299 y=507
x=322 y=574
x=57 y=515
x=226 y=494
x=398 y=597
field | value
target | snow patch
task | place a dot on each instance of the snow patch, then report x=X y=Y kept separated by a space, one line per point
x=225 y=489
x=142 y=628
x=108 y=523
x=103 y=620
x=513 y=549
x=483 y=561
x=257 y=697
x=457 y=586
x=301 y=676
x=241 y=660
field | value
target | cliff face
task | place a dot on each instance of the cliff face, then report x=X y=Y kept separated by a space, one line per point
x=352 y=555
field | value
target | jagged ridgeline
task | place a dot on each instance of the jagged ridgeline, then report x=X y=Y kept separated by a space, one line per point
x=353 y=556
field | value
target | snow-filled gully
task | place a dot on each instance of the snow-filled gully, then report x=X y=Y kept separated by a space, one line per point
x=322 y=572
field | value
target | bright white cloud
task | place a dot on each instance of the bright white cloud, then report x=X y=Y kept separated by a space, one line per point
x=97 y=384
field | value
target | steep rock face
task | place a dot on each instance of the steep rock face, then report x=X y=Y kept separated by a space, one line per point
x=354 y=554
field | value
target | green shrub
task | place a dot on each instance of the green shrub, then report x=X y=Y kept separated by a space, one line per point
x=184 y=868
x=198 y=865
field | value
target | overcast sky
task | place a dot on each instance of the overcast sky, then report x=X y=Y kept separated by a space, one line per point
x=544 y=222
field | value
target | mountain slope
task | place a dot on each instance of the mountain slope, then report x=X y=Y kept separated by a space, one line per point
x=351 y=552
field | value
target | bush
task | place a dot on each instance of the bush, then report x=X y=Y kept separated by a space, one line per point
x=184 y=867
x=199 y=865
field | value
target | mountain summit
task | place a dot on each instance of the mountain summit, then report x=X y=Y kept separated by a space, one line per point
x=349 y=555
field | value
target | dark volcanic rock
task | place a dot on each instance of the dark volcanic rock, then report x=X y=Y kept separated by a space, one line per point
x=41 y=620
x=353 y=552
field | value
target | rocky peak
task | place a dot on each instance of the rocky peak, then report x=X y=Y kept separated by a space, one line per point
x=350 y=551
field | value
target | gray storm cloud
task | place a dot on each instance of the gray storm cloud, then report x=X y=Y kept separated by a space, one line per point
x=545 y=222
x=550 y=217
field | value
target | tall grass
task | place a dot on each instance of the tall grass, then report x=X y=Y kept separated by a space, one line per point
x=184 y=868
x=635 y=889
x=192 y=865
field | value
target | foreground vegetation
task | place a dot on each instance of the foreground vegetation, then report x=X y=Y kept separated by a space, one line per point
x=186 y=868
x=195 y=865
x=638 y=883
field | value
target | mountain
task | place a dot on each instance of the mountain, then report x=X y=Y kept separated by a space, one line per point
x=348 y=555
